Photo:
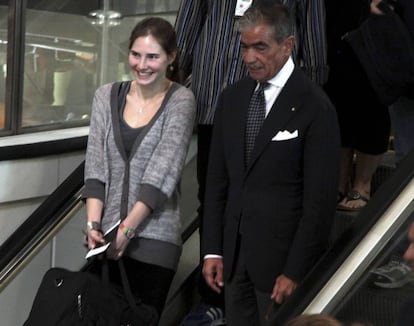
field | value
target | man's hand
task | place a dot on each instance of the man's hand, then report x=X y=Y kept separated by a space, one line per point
x=283 y=288
x=213 y=273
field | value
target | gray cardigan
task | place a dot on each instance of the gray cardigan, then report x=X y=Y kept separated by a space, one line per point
x=153 y=170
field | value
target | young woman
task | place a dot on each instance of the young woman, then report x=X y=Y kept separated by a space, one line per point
x=139 y=136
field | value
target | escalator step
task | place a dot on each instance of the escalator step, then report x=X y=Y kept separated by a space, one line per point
x=380 y=307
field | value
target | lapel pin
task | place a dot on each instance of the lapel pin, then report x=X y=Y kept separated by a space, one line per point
x=293 y=109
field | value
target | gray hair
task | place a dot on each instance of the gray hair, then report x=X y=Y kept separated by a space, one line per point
x=274 y=15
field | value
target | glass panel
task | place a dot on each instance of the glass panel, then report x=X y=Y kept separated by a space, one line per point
x=378 y=297
x=61 y=52
x=115 y=33
x=73 y=48
x=3 y=62
x=374 y=283
x=363 y=276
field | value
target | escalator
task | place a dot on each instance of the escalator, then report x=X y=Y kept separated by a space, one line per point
x=339 y=285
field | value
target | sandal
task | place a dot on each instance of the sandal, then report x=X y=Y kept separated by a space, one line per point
x=353 y=195
x=339 y=197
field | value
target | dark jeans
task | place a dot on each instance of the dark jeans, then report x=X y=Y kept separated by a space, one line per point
x=203 y=142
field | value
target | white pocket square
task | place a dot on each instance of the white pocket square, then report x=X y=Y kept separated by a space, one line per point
x=285 y=135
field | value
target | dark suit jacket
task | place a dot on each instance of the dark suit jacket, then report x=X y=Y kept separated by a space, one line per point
x=283 y=203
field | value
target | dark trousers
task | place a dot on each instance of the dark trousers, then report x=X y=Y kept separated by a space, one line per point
x=148 y=282
x=203 y=143
x=203 y=149
x=245 y=304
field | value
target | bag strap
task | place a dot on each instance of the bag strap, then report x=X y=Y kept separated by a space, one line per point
x=105 y=269
x=152 y=316
x=124 y=277
x=125 y=284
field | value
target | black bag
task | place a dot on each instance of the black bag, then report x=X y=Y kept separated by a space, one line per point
x=67 y=298
x=385 y=49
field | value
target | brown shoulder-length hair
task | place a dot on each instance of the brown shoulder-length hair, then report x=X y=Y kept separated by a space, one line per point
x=164 y=33
x=313 y=320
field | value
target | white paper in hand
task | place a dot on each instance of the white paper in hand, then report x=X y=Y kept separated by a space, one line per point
x=101 y=249
x=97 y=250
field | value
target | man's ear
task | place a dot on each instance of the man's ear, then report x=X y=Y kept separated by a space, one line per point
x=289 y=44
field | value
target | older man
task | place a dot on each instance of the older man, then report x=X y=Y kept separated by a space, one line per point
x=209 y=44
x=272 y=179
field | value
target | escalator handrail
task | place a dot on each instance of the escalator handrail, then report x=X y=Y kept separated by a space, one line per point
x=43 y=148
x=347 y=242
x=48 y=214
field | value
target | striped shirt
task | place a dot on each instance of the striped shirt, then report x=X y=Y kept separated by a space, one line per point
x=209 y=46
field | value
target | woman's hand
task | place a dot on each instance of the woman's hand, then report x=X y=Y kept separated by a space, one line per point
x=118 y=246
x=137 y=214
x=95 y=238
x=93 y=221
x=374 y=7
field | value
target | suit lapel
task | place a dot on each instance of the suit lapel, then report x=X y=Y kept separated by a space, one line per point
x=238 y=122
x=283 y=110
